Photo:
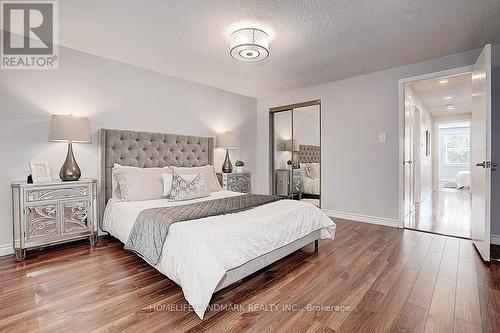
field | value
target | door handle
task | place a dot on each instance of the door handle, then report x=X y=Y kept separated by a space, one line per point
x=482 y=164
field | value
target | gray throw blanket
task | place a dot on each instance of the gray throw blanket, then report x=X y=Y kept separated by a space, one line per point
x=151 y=226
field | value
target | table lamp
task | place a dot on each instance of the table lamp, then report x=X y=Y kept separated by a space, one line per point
x=68 y=128
x=227 y=141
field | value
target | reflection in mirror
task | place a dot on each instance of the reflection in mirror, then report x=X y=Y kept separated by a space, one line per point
x=282 y=152
x=306 y=131
x=296 y=153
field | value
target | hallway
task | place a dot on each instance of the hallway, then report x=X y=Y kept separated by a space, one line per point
x=446 y=212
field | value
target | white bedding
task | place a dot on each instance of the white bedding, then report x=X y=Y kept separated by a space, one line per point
x=310 y=185
x=463 y=179
x=198 y=253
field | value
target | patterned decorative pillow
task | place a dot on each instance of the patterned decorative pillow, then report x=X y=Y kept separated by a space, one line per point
x=312 y=170
x=187 y=187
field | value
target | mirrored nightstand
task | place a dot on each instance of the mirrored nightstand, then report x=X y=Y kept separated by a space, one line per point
x=236 y=181
x=289 y=183
x=53 y=212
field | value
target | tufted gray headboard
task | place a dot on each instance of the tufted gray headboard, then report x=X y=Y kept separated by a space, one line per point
x=147 y=150
x=309 y=154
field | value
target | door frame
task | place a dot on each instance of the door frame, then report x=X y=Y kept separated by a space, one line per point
x=290 y=107
x=401 y=85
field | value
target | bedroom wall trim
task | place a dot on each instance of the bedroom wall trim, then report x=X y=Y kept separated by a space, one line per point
x=6 y=249
x=394 y=223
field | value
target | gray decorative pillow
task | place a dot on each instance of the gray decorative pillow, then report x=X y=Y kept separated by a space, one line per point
x=187 y=187
x=208 y=172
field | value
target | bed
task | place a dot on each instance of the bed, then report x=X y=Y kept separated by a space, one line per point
x=208 y=254
x=309 y=157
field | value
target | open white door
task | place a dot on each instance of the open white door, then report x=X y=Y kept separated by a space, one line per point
x=481 y=153
x=408 y=159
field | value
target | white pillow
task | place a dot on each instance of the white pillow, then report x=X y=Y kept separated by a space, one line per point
x=314 y=170
x=137 y=184
x=187 y=187
x=167 y=183
x=208 y=172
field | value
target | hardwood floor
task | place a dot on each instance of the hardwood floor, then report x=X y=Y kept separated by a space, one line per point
x=369 y=279
x=445 y=212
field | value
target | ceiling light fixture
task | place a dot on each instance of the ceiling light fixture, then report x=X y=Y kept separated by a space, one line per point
x=447 y=97
x=249 y=45
x=450 y=107
x=444 y=81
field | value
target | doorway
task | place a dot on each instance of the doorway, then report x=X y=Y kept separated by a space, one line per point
x=296 y=151
x=445 y=149
x=438 y=112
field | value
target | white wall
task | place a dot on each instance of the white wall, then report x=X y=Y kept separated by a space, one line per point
x=112 y=95
x=361 y=174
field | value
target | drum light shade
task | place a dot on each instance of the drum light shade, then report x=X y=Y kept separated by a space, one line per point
x=69 y=128
x=292 y=145
x=249 y=45
x=227 y=140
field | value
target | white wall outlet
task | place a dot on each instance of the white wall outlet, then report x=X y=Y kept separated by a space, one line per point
x=381 y=137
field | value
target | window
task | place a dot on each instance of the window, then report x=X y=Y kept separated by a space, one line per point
x=457 y=150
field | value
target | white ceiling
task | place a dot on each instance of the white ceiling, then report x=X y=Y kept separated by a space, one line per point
x=432 y=94
x=313 y=41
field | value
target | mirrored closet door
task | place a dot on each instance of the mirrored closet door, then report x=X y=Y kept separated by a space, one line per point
x=296 y=151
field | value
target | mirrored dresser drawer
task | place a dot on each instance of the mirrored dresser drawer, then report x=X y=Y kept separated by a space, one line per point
x=236 y=181
x=51 y=213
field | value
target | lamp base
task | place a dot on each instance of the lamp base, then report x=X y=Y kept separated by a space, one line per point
x=70 y=171
x=227 y=167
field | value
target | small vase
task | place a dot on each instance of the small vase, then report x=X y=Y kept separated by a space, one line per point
x=239 y=169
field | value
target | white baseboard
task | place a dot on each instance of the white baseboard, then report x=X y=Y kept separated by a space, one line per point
x=6 y=249
x=495 y=239
x=362 y=218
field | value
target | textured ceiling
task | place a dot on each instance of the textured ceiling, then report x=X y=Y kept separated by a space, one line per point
x=436 y=96
x=313 y=41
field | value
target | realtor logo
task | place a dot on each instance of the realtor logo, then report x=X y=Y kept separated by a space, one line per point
x=29 y=35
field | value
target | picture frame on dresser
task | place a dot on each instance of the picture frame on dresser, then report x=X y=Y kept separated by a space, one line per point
x=40 y=171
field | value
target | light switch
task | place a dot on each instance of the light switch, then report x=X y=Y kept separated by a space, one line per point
x=381 y=137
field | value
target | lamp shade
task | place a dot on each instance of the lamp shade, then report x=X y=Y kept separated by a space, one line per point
x=69 y=128
x=227 y=140
x=292 y=145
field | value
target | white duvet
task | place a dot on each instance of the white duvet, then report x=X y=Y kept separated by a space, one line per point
x=198 y=253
